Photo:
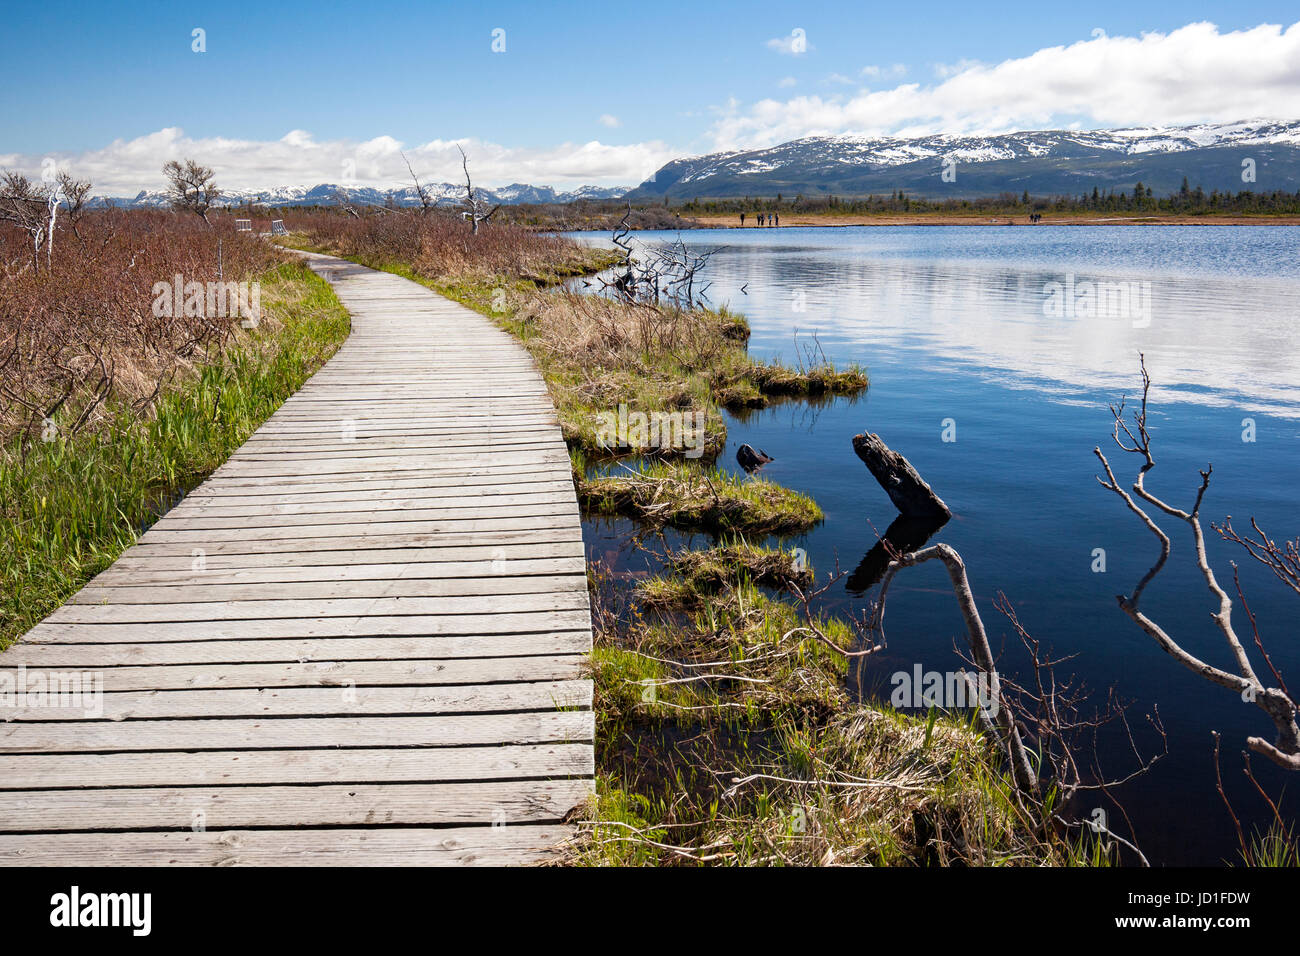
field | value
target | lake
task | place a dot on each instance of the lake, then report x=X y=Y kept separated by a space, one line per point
x=993 y=353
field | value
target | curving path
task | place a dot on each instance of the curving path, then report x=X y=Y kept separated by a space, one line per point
x=358 y=642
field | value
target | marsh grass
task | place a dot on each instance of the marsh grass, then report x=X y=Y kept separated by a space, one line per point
x=679 y=494
x=71 y=506
x=693 y=576
x=726 y=737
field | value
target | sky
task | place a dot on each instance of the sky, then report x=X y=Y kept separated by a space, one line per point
x=567 y=94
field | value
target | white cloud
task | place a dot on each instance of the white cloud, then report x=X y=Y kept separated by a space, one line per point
x=786 y=82
x=796 y=44
x=875 y=72
x=1189 y=75
x=839 y=79
x=124 y=167
x=608 y=119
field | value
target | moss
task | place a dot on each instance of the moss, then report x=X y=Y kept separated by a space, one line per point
x=681 y=496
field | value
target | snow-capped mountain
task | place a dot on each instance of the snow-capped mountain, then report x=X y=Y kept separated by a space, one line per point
x=326 y=194
x=1045 y=161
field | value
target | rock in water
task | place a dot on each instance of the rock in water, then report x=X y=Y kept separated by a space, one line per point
x=750 y=459
x=906 y=488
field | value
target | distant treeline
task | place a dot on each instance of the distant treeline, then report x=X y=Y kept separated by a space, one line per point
x=669 y=214
x=1188 y=201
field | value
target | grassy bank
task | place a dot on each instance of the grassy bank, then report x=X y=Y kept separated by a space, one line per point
x=726 y=736
x=677 y=494
x=72 y=505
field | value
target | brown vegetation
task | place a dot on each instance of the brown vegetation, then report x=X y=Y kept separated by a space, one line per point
x=81 y=329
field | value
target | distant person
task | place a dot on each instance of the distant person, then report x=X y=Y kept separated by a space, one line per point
x=742 y=220
x=777 y=216
x=760 y=219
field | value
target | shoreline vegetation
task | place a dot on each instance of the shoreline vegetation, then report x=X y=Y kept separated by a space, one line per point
x=727 y=735
x=726 y=730
x=120 y=411
x=1136 y=206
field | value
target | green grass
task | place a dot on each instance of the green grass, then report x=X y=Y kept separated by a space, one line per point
x=682 y=495
x=726 y=736
x=694 y=575
x=71 y=507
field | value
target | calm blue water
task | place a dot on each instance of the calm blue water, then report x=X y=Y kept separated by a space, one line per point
x=950 y=323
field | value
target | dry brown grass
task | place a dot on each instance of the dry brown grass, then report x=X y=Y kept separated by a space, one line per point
x=81 y=335
x=439 y=246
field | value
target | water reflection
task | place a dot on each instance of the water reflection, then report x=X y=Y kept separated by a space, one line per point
x=950 y=325
x=904 y=534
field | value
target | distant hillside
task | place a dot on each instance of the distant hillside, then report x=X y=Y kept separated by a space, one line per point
x=1052 y=162
x=445 y=194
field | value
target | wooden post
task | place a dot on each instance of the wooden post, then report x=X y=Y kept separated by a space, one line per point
x=906 y=488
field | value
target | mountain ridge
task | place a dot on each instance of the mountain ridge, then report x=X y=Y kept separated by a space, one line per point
x=1044 y=162
x=324 y=194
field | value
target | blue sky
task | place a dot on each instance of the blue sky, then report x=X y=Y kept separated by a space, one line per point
x=644 y=81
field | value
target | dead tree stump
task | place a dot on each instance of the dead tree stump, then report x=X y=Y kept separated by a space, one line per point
x=906 y=488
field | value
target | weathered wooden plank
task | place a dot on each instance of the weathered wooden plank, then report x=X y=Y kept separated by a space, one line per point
x=506 y=622
x=425 y=542
x=325 y=607
x=204 y=501
x=333 y=765
x=369 y=846
x=330 y=673
x=321 y=701
x=518 y=559
x=497 y=582
x=235 y=733
x=91 y=656
x=351 y=805
x=461 y=510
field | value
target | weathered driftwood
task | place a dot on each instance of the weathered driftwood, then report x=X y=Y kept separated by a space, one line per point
x=904 y=485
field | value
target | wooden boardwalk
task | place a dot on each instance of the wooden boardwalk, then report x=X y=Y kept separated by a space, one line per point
x=358 y=642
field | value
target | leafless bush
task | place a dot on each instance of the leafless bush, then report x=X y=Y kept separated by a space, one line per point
x=437 y=245
x=83 y=329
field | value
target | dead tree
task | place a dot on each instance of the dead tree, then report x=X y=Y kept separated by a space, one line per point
x=670 y=274
x=422 y=191
x=1274 y=699
x=74 y=192
x=27 y=205
x=1043 y=715
x=474 y=206
x=344 y=202
x=191 y=188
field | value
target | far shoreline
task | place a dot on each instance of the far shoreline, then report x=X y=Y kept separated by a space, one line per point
x=836 y=222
